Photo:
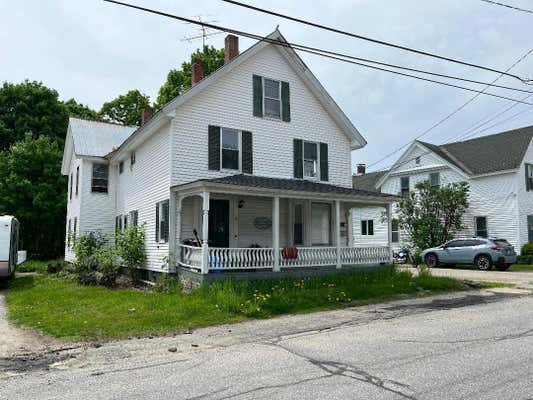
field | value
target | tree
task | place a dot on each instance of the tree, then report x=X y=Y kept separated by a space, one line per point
x=33 y=189
x=75 y=109
x=179 y=80
x=126 y=109
x=432 y=215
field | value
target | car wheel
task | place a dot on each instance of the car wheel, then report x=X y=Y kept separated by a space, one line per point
x=483 y=262
x=503 y=267
x=431 y=260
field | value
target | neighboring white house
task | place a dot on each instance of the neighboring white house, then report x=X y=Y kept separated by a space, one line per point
x=255 y=158
x=498 y=168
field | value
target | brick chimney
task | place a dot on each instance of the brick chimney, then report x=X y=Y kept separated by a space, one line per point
x=361 y=169
x=231 y=48
x=197 y=71
x=146 y=115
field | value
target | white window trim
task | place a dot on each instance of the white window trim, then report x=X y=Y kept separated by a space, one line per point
x=397 y=231
x=280 y=118
x=239 y=142
x=160 y=206
x=317 y=176
x=108 y=178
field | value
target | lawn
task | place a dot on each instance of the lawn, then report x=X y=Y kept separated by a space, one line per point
x=61 y=308
x=37 y=265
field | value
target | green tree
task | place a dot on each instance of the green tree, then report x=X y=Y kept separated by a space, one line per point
x=126 y=109
x=75 y=109
x=33 y=189
x=432 y=215
x=179 y=80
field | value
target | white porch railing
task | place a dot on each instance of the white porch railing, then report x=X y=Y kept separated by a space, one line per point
x=228 y=259
x=190 y=257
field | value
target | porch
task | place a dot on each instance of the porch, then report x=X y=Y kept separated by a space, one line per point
x=246 y=223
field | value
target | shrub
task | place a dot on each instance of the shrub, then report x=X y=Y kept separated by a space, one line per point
x=85 y=248
x=107 y=265
x=130 y=248
x=525 y=260
x=166 y=283
x=527 y=249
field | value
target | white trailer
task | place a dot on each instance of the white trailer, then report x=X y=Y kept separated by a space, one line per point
x=9 y=242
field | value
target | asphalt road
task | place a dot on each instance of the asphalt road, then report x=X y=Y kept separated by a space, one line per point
x=472 y=345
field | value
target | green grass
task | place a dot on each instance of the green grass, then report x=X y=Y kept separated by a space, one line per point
x=37 y=265
x=521 y=267
x=63 y=309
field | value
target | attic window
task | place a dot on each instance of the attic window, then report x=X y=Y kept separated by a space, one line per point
x=272 y=98
x=417 y=160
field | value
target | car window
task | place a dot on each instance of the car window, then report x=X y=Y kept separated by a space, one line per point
x=501 y=242
x=455 y=243
x=477 y=242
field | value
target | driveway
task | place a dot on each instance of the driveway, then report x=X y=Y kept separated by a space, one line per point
x=470 y=345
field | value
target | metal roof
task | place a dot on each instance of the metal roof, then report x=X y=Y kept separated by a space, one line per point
x=95 y=138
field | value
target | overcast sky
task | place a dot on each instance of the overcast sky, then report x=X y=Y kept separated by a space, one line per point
x=93 y=51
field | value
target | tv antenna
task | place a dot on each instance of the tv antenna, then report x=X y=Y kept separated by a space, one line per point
x=205 y=32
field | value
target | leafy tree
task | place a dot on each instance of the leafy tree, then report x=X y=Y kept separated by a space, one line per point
x=432 y=215
x=179 y=80
x=126 y=109
x=33 y=189
x=75 y=109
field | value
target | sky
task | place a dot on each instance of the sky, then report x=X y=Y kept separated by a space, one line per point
x=94 y=51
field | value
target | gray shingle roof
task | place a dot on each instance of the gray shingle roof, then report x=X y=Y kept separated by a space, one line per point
x=291 y=184
x=94 y=138
x=486 y=154
x=368 y=181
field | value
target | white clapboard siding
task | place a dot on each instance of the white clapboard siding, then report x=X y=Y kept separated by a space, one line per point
x=525 y=198
x=380 y=237
x=73 y=205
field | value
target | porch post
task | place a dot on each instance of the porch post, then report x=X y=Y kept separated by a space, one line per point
x=205 y=233
x=389 y=227
x=275 y=232
x=172 y=231
x=338 y=231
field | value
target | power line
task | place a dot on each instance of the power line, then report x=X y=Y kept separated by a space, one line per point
x=316 y=51
x=458 y=109
x=381 y=42
x=497 y=3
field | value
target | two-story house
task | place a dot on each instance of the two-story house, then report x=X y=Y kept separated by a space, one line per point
x=252 y=165
x=498 y=169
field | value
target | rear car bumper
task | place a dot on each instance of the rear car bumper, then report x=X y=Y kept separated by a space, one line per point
x=506 y=259
x=4 y=269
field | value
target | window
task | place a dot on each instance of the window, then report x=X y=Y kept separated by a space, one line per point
x=481 y=226
x=298 y=224
x=530 y=228
x=121 y=167
x=230 y=148
x=310 y=159
x=367 y=227
x=75 y=229
x=457 y=243
x=320 y=223
x=271 y=98
x=417 y=160
x=70 y=189
x=161 y=219
x=434 y=179
x=125 y=219
x=395 y=231
x=132 y=158
x=404 y=185
x=69 y=232
x=77 y=179
x=134 y=217
x=529 y=177
x=100 y=178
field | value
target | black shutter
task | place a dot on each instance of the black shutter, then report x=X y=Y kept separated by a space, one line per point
x=258 y=95
x=528 y=182
x=214 y=147
x=298 y=158
x=371 y=227
x=324 y=170
x=285 y=102
x=157 y=222
x=247 y=153
x=164 y=220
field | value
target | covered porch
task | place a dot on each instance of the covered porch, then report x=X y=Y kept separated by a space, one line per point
x=249 y=223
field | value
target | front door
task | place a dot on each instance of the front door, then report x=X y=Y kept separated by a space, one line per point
x=219 y=223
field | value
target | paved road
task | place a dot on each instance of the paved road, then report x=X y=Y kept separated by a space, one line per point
x=472 y=345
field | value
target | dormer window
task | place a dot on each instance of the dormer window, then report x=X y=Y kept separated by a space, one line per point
x=271 y=98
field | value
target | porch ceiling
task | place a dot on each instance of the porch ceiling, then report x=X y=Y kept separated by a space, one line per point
x=297 y=188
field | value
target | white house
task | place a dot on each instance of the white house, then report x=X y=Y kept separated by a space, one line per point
x=255 y=158
x=498 y=169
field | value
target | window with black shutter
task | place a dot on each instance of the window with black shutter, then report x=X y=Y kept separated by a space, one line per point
x=529 y=177
x=271 y=98
x=214 y=147
x=310 y=160
x=134 y=217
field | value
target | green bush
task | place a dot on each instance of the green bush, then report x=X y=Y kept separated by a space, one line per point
x=166 y=283
x=527 y=249
x=107 y=265
x=525 y=260
x=130 y=248
x=86 y=248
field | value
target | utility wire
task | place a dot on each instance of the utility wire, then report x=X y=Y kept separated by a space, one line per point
x=458 y=109
x=316 y=51
x=380 y=42
x=497 y=3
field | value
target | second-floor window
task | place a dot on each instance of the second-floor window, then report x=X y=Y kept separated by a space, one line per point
x=230 y=149
x=77 y=179
x=310 y=160
x=100 y=178
x=404 y=185
x=230 y=154
x=434 y=179
x=161 y=221
x=70 y=188
x=271 y=98
x=529 y=177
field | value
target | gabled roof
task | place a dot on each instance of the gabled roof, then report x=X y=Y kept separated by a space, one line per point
x=95 y=138
x=368 y=181
x=499 y=152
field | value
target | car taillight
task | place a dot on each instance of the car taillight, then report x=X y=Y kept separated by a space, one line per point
x=497 y=248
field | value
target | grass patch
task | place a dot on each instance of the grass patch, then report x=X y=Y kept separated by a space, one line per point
x=521 y=268
x=37 y=265
x=64 y=309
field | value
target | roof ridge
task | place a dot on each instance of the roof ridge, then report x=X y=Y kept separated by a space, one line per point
x=103 y=122
x=488 y=136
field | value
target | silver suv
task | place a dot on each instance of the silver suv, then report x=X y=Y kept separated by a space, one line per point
x=483 y=252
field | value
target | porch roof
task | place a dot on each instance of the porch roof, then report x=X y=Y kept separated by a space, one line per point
x=284 y=187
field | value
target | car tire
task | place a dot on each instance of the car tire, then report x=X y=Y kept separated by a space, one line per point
x=483 y=262
x=431 y=260
x=502 y=267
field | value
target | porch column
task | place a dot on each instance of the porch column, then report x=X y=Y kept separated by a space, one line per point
x=275 y=232
x=338 y=231
x=172 y=240
x=205 y=233
x=389 y=228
